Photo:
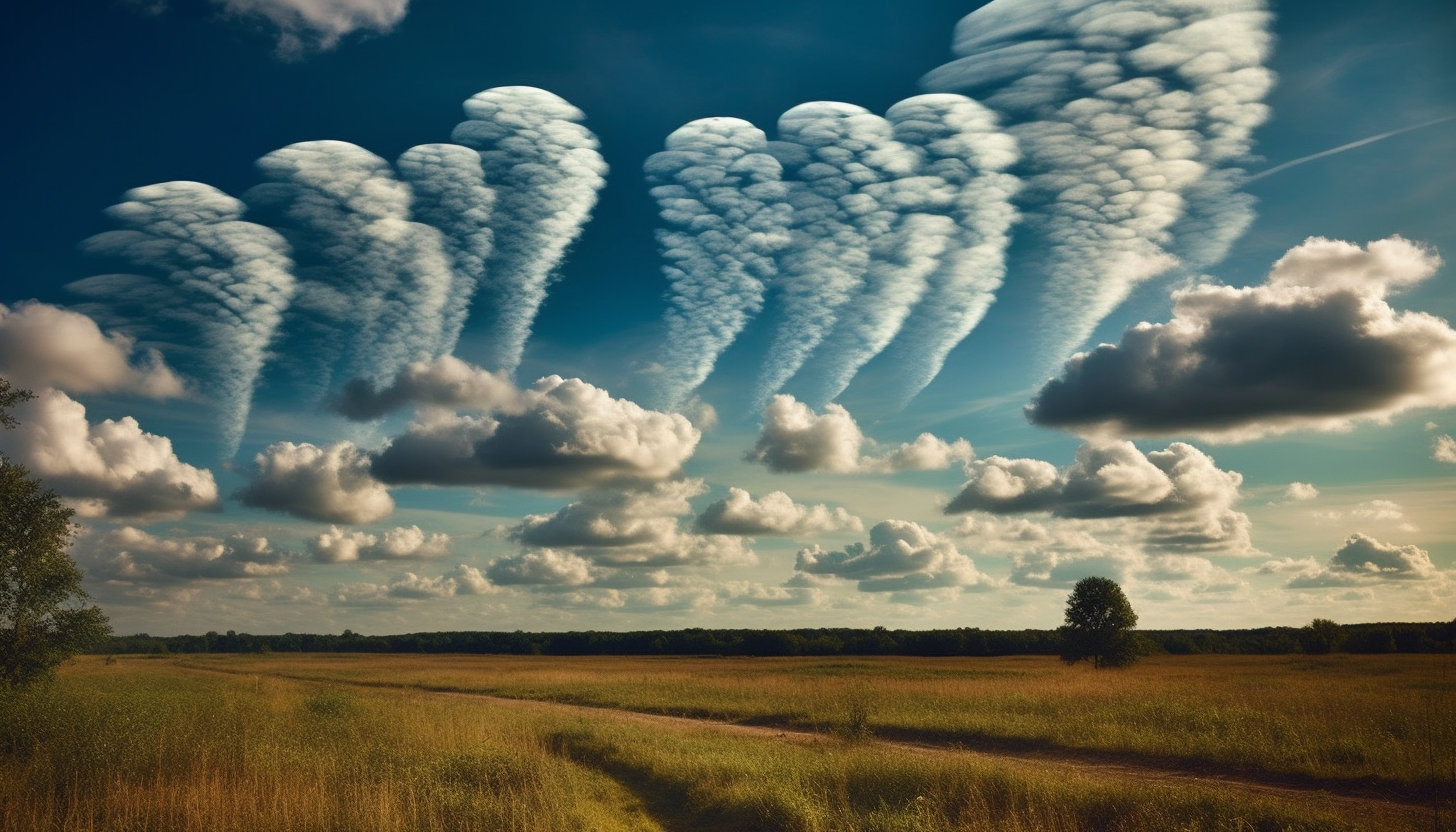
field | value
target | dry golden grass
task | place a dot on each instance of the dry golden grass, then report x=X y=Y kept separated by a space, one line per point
x=1331 y=717
x=157 y=745
x=141 y=745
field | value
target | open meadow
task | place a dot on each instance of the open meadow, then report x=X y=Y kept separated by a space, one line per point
x=393 y=742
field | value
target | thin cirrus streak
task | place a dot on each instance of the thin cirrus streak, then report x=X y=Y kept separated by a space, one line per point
x=1132 y=117
x=722 y=196
x=227 y=281
x=546 y=170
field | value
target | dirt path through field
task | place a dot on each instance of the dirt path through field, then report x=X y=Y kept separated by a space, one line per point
x=1379 y=806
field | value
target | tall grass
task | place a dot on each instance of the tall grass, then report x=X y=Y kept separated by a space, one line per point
x=1329 y=717
x=143 y=746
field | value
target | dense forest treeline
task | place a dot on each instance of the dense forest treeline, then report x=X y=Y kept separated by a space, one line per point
x=824 y=641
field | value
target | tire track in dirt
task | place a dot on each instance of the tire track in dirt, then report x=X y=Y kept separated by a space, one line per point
x=1376 y=804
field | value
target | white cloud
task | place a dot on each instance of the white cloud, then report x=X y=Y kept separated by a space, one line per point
x=446 y=382
x=465 y=580
x=542 y=567
x=720 y=193
x=1362 y=560
x=774 y=513
x=632 y=528
x=1313 y=348
x=901 y=557
x=545 y=168
x=404 y=542
x=1130 y=115
x=796 y=439
x=1175 y=499
x=132 y=556
x=1443 y=449
x=111 y=469
x=332 y=483
x=308 y=24
x=1300 y=492
x=46 y=346
x=223 y=281
x=567 y=434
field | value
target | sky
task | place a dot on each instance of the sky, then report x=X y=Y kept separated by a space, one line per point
x=411 y=316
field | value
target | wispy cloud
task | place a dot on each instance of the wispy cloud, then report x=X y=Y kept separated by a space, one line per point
x=1344 y=147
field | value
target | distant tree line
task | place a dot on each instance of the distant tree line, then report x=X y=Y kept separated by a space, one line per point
x=824 y=641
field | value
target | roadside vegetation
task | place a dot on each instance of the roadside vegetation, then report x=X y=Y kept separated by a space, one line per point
x=144 y=744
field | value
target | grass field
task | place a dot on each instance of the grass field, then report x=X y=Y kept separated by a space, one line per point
x=363 y=744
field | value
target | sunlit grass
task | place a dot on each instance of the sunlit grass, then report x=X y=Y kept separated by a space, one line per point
x=145 y=746
x=1333 y=717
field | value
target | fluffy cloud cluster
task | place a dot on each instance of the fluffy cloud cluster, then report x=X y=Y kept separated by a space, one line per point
x=132 y=556
x=1186 y=499
x=774 y=513
x=111 y=469
x=631 y=528
x=1361 y=560
x=1058 y=553
x=566 y=434
x=332 y=483
x=1130 y=115
x=464 y=580
x=1312 y=348
x=309 y=24
x=46 y=346
x=796 y=439
x=900 y=557
x=402 y=543
x=446 y=382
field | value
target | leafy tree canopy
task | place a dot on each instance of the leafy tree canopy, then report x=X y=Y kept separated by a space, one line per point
x=1099 y=624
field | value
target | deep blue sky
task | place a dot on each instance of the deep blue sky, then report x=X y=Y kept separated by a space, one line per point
x=101 y=97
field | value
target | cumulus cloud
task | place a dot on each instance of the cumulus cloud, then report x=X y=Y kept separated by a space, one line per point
x=47 y=346
x=1443 y=449
x=901 y=556
x=546 y=171
x=542 y=567
x=1313 y=348
x=774 y=513
x=319 y=24
x=1187 y=499
x=446 y=382
x=566 y=434
x=1299 y=492
x=110 y=469
x=332 y=483
x=632 y=528
x=132 y=556
x=402 y=543
x=465 y=580
x=795 y=439
x=1131 y=116
x=225 y=282
x=1361 y=560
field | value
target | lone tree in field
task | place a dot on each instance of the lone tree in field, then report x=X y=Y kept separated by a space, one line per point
x=1099 y=625
x=43 y=620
